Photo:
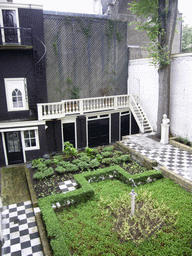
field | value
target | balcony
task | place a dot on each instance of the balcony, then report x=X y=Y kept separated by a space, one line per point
x=15 y=38
x=55 y=110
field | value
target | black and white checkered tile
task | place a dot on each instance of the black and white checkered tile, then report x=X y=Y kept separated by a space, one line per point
x=175 y=159
x=68 y=185
x=20 y=231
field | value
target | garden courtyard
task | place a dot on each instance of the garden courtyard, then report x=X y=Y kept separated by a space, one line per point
x=94 y=216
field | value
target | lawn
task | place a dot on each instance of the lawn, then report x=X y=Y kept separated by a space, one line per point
x=93 y=228
x=14 y=187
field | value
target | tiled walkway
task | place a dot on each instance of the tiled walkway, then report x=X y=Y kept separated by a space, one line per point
x=173 y=158
x=19 y=228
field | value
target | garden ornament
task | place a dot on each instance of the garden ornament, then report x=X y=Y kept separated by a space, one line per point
x=133 y=195
x=165 y=130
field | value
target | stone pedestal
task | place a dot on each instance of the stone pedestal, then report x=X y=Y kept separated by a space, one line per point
x=164 y=133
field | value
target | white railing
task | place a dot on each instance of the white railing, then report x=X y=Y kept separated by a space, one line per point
x=81 y=106
x=138 y=116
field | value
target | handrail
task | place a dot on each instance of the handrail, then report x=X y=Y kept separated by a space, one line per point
x=81 y=106
x=140 y=123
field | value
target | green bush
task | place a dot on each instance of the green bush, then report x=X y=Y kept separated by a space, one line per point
x=106 y=154
x=82 y=165
x=118 y=153
x=71 y=168
x=85 y=159
x=39 y=175
x=60 y=169
x=36 y=163
x=69 y=150
x=94 y=163
x=64 y=164
x=107 y=161
x=121 y=159
x=99 y=157
x=108 y=149
x=48 y=162
x=57 y=159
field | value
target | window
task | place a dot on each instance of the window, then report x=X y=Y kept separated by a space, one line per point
x=31 y=140
x=17 y=99
x=10 y=24
x=16 y=94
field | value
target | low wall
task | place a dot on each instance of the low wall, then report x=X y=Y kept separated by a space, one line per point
x=143 y=85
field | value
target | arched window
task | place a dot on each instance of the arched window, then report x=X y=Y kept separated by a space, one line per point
x=17 y=98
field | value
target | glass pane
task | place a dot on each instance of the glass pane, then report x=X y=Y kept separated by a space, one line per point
x=32 y=134
x=26 y=134
x=19 y=93
x=20 y=104
x=33 y=143
x=14 y=93
x=14 y=99
x=27 y=143
x=15 y=104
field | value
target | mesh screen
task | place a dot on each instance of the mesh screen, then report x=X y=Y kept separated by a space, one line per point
x=86 y=57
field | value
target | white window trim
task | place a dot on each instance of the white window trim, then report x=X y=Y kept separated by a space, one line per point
x=9 y=94
x=36 y=139
x=1 y=22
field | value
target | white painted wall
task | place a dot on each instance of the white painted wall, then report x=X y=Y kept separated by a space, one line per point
x=143 y=85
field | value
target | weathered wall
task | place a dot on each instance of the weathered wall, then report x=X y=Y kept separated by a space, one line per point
x=143 y=84
x=86 y=56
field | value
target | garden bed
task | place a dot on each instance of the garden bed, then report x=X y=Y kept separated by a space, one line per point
x=97 y=227
x=181 y=143
x=63 y=167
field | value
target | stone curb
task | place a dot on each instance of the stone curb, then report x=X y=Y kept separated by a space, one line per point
x=142 y=160
x=42 y=232
x=184 y=183
x=180 y=145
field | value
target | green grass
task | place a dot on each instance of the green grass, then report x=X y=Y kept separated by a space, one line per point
x=14 y=187
x=89 y=230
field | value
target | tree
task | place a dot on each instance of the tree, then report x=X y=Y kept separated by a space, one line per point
x=160 y=18
x=187 y=39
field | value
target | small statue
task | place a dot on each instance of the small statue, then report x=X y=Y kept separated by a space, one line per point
x=165 y=119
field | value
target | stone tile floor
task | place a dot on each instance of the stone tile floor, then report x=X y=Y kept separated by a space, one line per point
x=19 y=227
x=173 y=158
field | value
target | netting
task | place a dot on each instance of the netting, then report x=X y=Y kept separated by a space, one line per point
x=86 y=57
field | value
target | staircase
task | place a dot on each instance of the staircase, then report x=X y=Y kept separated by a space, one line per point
x=139 y=116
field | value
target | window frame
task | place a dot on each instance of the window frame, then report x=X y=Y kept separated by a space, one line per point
x=10 y=87
x=1 y=22
x=35 y=129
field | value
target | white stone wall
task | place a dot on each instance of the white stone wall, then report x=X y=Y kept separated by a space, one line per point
x=143 y=85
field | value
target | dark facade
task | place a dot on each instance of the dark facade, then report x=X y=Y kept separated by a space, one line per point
x=22 y=83
x=25 y=136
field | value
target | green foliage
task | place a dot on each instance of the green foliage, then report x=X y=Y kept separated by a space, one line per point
x=107 y=161
x=69 y=150
x=57 y=159
x=186 y=39
x=120 y=159
x=43 y=173
x=37 y=162
x=94 y=163
x=149 y=217
x=154 y=22
x=60 y=169
x=85 y=159
x=83 y=166
x=106 y=154
x=84 y=193
x=99 y=157
x=108 y=149
x=90 y=152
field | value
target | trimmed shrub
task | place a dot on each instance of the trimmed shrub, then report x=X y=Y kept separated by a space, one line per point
x=107 y=161
x=94 y=163
x=85 y=159
x=108 y=149
x=43 y=174
x=60 y=169
x=106 y=154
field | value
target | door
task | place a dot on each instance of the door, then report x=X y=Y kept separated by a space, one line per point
x=10 y=26
x=69 y=133
x=98 y=132
x=14 y=147
x=125 y=121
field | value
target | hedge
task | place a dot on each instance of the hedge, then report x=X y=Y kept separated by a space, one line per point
x=84 y=192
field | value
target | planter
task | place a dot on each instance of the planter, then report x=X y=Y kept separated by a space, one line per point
x=180 y=145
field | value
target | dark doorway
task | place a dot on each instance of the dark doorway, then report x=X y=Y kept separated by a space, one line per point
x=125 y=125
x=14 y=148
x=10 y=26
x=98 y=132
x=69 y=133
